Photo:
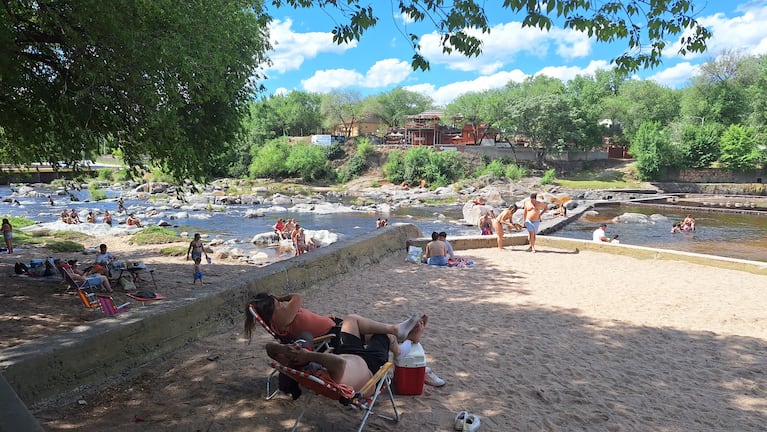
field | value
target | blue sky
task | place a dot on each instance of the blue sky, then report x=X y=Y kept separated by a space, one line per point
x=305 y=57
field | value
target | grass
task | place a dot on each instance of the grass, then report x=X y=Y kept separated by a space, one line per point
x=623 y=178
x=154 y=235
x=174 y=251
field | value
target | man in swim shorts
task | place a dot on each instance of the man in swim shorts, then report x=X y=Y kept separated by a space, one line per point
x=533 y=211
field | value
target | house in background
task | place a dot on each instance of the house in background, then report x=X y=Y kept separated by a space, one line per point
x=427 y=128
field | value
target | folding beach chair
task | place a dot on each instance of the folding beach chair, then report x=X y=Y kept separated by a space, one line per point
x=108 y=305
x=379 y=383
x=88 y=297
x=91 y=281
x=319 y=344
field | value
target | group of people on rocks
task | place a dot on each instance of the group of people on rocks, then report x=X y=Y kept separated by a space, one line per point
x=380 y=223
x=532 y=211
x=290 y=229
x=72 y=217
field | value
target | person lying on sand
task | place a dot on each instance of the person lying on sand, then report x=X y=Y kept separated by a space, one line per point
x=356 y=359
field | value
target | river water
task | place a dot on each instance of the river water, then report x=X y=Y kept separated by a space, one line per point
x=726 y=234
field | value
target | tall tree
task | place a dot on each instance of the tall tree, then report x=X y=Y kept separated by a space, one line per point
x=640 y=102
x=483 y=111
x=169 y=79
x=646 y=25
x=394 y=106
x=342 y=109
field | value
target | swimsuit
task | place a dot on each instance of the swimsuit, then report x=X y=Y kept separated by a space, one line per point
x=375 y=353
x=532 y=226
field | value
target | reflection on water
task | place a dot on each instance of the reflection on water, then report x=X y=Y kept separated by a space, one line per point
x=725 y=234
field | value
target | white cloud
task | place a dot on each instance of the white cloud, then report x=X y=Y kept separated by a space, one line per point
x=746 y=32
x=677 y=75
x=327 y=80
x=383 y=73
x=566 y=73
x=386 y=72
x=291 y=49
x=504 y=43
x=447 y=93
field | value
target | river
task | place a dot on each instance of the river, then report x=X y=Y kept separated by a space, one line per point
x=726 y=234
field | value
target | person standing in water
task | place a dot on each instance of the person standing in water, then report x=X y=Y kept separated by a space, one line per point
x=533 y=211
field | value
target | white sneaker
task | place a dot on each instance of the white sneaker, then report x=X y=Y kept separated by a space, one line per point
x=432 y=379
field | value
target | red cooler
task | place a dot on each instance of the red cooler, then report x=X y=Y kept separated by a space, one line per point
x=409 y=372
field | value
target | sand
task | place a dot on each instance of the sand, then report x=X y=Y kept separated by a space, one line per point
x=555 y=341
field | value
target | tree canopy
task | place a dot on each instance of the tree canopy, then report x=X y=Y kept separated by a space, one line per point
x=165 y=81
x=645 y=25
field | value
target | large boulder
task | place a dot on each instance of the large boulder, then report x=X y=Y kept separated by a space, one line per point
x=266 y=238
x=472 y=212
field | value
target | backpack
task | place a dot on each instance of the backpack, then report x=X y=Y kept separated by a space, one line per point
x=21 y=268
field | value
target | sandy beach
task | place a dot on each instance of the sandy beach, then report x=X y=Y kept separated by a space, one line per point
x=555 y=341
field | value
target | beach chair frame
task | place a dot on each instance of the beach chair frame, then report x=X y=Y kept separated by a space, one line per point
x=319 y=344
x=379 y=383
x=108 y=306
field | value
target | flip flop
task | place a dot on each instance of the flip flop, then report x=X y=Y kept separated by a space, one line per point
x=460 y=419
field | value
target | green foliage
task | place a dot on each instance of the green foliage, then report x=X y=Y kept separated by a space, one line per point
x=515 y=172
x=700 y=145
x=18 y=222
x=603 y=21
x=548 y=177
x=653 y=151
x=334 y=151
x=95 y=193
x=123 y=175
x=307 y=161
x=270 y=160
x=106 y=174
x=83 y=71
x=175 y=251
x=424 y=163
x=63 y=246
x=495 y=168
x=154 y=235
x=365 y=148
x=740 y=151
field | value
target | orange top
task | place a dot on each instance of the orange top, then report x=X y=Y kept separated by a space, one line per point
x=307 y=321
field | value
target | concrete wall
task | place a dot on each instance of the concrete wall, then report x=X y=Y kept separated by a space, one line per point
x=712 y=175
x=109 y=349
x=713 y=188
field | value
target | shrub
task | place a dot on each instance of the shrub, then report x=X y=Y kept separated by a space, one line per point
x=62 y=246
x=154 y=235
x=95 y=193
x=270 y=160
x=334 y=151
x=651 y=146
x=495 y=168
x=105 y=174
x=307 y=161
x=515 y=172
x=739 y=148
x=548 y=177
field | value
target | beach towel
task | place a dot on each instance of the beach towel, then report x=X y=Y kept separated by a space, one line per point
x=460 y=263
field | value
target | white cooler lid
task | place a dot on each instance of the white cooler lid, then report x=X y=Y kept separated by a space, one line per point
x=415 y=358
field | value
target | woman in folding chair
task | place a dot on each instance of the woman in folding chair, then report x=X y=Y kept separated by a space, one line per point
x=289 y=320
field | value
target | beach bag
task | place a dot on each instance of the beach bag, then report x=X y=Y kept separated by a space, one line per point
x=414 y=254
x=127 y=284
x=20 y=268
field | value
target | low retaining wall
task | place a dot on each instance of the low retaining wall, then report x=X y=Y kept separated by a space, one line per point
x=110 y=349
x=641 y=252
